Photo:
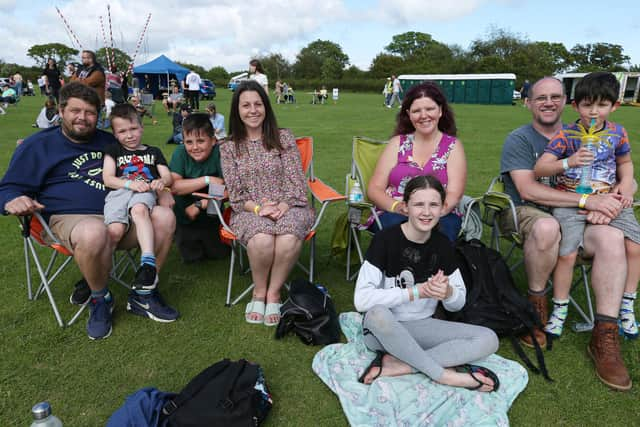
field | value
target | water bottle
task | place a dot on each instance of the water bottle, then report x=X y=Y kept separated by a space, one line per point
x=355 y=195
x=590 y=142
x=42 y=416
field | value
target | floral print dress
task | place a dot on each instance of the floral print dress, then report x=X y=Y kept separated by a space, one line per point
x=258 y=174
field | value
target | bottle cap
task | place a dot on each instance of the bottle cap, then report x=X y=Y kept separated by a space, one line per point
x=41 y=410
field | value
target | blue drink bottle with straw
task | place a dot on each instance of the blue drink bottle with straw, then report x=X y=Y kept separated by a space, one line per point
x=590 y=142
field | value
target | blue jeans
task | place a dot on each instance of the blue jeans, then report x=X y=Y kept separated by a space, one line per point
x=449 y=225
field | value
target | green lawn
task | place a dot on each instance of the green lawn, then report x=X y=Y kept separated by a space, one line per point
x=86 y=381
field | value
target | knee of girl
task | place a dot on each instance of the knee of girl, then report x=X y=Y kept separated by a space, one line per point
x=493 y=343
x=379 y=319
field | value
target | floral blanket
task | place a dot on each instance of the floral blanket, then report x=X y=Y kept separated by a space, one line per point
x=411 y=400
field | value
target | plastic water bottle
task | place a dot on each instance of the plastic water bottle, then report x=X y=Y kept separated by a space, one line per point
x=355 y=195
x=42 y=416
x=584 y=187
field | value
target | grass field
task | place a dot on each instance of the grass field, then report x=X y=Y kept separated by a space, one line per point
x=86 y=381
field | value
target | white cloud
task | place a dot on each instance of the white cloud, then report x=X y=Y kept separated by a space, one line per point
x=226 y=32
x=413 y=11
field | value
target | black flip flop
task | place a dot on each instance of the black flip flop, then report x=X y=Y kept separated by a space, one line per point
x=475 y=369
x=375 y=363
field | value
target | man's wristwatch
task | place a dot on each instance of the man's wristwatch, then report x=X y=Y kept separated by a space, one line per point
x=198 y=204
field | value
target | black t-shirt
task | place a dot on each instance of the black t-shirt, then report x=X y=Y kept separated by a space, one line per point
x=140 y=165
x=408 y=262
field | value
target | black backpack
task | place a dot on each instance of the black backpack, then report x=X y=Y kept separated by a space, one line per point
x=493 y=300
x=225 y=394
x=309 y=312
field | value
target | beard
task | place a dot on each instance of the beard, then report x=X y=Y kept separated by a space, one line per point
x=74 y=135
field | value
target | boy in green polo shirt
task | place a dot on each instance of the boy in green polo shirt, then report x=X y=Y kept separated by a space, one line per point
x=194 y=165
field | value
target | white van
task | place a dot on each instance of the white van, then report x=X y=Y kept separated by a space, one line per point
x=236 y=80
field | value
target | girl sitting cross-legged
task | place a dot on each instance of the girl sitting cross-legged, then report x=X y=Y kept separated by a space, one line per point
x=409 y=268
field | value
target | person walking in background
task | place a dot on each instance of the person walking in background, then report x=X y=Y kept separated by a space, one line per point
x=256 y=72
x=396 y=89
x=386 y=92
x=192 y=86
x=52 y=73
x=42 y=84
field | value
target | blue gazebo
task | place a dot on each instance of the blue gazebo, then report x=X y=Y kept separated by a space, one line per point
x=160 y=71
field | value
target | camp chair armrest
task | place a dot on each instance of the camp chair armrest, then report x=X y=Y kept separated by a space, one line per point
x=46 y=232
x=322 y=192
x=213 y=209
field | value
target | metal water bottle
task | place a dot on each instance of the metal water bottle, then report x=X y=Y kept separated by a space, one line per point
x=42 y=416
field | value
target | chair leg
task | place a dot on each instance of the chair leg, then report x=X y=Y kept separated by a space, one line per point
x=27 y=264
x=356 y=241
x=45 y=286
x=349 y=237
x=312 y=255
x=230 y=281
x=589 y=320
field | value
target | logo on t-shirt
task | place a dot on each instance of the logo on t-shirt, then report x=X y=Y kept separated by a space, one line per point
x=135 y=169
x=88 y=169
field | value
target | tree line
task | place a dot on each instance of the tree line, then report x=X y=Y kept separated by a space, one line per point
x=323 y=62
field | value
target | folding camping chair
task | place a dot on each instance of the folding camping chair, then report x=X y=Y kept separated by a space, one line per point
x=35 y=230
x=365 y=153
x=319 y=192
x=494 y=202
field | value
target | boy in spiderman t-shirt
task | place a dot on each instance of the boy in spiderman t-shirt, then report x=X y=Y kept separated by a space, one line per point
x=135 y=173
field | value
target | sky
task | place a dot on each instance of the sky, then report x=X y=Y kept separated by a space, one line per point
x=229 y=33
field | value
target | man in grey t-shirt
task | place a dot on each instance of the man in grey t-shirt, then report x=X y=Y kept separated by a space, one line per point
x=541 y=232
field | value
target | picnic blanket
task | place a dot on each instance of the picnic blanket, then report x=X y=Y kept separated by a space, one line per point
x=411 y=400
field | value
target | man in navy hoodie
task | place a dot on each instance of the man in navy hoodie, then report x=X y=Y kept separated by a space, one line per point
x=58 y=172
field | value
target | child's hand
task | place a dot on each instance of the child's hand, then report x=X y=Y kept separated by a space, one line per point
x=436 y=287
x=625 y=189
x=139 y=186
x=157 y=185
x=582 y=157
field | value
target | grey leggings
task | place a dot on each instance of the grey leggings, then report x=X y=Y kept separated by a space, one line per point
x=428 y=345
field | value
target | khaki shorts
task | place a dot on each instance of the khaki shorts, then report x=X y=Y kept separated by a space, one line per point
x=527 y=217
x=63 y=225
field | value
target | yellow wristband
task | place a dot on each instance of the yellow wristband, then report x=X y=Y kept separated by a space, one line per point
x=256 y=209
x=393 y=206
x=583 y=201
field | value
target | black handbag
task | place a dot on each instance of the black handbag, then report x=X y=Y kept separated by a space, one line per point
x=310 y=314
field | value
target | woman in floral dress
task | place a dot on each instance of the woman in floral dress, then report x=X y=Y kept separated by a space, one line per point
x=267 y=191
x=424 y=143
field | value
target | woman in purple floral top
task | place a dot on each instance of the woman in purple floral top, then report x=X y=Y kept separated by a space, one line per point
x=267 y=191
x=424 y=143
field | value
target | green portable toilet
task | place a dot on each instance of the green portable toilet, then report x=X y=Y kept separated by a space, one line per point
x=458 y=91
x=471 y=91
x=498 y=88
x=484 y=91
x=447 y=88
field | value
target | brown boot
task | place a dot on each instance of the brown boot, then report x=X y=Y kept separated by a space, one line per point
x=539 y=303
x=604 y=349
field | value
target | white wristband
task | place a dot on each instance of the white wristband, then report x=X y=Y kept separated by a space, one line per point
x=565 y=163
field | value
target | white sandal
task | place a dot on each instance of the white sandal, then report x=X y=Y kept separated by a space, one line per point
x=272 y=309
x=254 y=306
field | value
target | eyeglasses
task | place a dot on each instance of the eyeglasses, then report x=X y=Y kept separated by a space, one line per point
x=556 y=99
